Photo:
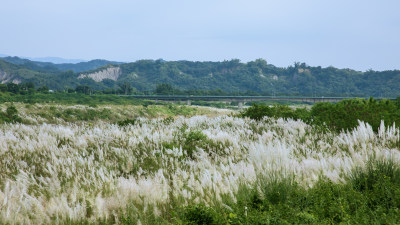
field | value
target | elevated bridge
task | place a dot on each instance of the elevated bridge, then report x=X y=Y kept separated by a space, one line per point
x=241 y=99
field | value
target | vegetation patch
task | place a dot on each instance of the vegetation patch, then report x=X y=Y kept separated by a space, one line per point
x=10 y=115
x=343 y=115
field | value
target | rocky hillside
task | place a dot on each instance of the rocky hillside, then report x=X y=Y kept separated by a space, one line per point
x=111 y=73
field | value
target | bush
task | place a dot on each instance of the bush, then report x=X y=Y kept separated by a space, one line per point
x=126 y=122
x=199 y=214
x=194 y=139
x=258 y=112
x=380 y=182
x=11 y=115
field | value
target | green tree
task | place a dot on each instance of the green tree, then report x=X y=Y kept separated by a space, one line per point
x=125 y=88
x=164 y=89
x=43 y=89
x=83 y=89
x=13 y=88
x=3 y=87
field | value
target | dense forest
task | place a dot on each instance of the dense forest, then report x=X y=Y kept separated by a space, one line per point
x=233 y=76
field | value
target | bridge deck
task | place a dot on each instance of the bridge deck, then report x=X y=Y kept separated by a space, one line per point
x=243 y=98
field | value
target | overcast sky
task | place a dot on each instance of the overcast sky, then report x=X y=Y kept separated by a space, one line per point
x=358 y=34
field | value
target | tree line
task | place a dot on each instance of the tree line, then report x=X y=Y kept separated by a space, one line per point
x=124 y=88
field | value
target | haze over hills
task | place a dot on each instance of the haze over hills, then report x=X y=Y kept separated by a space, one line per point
x=230 y=76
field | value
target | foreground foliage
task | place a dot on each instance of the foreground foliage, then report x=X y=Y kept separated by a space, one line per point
x=198 y=170
x=284 y=201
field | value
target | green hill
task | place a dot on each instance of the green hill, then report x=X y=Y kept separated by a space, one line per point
x=230 y=76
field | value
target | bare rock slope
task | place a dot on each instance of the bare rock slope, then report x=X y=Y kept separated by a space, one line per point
x=110 y=73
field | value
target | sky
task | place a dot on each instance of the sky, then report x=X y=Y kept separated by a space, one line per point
x=357 y=34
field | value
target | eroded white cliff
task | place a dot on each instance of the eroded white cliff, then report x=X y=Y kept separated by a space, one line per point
x=110 y=73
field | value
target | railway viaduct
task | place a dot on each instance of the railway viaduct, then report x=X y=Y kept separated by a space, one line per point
x=239 y=99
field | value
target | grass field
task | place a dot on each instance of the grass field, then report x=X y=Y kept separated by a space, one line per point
x=52 y=113
x=192 y=169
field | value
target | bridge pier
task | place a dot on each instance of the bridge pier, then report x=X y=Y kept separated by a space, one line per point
x=188 y=102
x=240 y=105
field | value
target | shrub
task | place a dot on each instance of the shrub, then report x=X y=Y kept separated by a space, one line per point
x=257 y=112
x=194 y=139
x=126 y=122
x=199 y=214
x=380 y=182
x=168 y=120
x=278 y=191
x=11 y=115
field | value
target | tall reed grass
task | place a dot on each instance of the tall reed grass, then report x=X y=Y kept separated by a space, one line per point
x=178 y=169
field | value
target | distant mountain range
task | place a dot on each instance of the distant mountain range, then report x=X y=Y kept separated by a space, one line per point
x=231 y=76
x=55 y=60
